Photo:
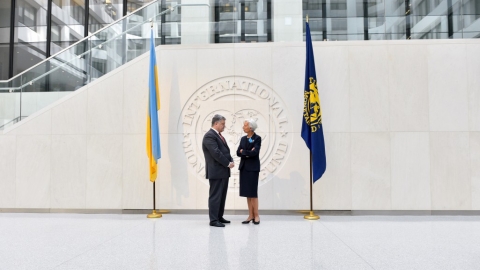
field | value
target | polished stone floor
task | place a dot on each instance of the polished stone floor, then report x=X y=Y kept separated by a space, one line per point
x=81 y=241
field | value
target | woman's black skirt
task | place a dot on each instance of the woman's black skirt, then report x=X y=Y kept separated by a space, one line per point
x=248 y=184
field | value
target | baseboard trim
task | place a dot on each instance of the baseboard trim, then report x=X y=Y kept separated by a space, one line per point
x=245 y=212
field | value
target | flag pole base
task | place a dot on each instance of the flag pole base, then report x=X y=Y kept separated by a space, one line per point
x=154 y=214
x=311 y=216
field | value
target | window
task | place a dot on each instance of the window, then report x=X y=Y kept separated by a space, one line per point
x=56 y=33
x=339 y=5
x=77 y=12
x=27 y=15
x=312 y=4
x=57 y=2
x=93 y=25
x=251 y=7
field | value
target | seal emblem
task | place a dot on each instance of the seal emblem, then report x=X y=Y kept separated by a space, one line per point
x=236 y=98
x=312 y=110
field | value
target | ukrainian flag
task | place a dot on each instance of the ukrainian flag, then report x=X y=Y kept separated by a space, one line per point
x=312 y=129
x=153 y=131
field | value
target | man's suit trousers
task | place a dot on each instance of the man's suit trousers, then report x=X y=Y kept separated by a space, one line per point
x=217 y=197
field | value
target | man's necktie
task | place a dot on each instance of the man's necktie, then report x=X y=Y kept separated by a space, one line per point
x=223 y=139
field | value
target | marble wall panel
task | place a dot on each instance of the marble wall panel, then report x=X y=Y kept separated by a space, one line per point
x=408 y=88
x=450 y=171
x=104 y=171
x=214 y=63
x=475 y=168
x=105 y=104
x=289 y=171
x=179 y=172
x=33 y=171
x=447 y=87
x=70 y=116
x=333 y=82
x=135 y=93
x=382 y=143
x=254 y=61
x=288 y=83
x=68 y=171
x=8 y=147
x=333 y=191
x=410 y=171
x=177 y=78
x=473 y=85
x=368 y=71
x=371 y=165
x=136 y=186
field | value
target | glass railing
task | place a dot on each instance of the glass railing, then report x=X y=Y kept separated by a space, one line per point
x=228 y=21
x=82 y=63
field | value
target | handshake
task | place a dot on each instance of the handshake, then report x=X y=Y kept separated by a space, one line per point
x=231 y=165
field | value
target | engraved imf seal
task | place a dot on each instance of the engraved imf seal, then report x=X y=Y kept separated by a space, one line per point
x=236 y=98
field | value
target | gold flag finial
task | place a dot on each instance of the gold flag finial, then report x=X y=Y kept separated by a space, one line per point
x=307 y=18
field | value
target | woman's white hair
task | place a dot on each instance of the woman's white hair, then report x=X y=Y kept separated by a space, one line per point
x=252 y=124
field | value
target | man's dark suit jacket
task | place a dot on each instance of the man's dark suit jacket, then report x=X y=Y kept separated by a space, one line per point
x=217 y=156
x=250 y=160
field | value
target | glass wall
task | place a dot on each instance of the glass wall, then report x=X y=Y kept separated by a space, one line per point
x=355 y=19
x=171 y=28
x=242 y=21
x=67 y=26
x=68 y=20
x=471 y=18
x=133 y=5
x=226 y=21
x=30 y=42
x=103 y=13
x=392 y=19
x=5 y=11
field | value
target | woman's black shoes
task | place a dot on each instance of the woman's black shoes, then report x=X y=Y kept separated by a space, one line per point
x=247 y=221
x=256 y=222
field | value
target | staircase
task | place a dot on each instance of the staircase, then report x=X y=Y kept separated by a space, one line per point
x=81 y=63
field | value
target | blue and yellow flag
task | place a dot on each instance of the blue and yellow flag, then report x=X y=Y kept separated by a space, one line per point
x=312 y=130
x=153 y=131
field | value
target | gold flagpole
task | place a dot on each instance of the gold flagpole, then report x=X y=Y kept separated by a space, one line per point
x=311 y=216
x=154 y=213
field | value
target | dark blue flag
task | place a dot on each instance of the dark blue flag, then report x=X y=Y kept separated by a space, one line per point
x=312 y=130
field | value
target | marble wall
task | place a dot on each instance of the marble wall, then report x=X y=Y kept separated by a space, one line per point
x=401 y=122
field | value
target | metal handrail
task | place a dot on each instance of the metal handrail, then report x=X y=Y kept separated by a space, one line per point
x=93 y=34
x=78 y=42
x=66 y=62
x=13 y=121
x=97 y=46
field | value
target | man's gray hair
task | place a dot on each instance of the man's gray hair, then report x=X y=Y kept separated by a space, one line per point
x=217 y=118
x=252 y=124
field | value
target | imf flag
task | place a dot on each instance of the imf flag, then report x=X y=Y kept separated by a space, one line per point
x=153 y=134
x=312 y=130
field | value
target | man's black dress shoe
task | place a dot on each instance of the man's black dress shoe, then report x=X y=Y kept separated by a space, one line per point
x=216 y=224
x=222 y=220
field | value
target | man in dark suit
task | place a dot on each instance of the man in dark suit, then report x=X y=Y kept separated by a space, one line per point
x=218 y=163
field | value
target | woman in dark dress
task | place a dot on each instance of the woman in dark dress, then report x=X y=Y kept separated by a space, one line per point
x=248 y=150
